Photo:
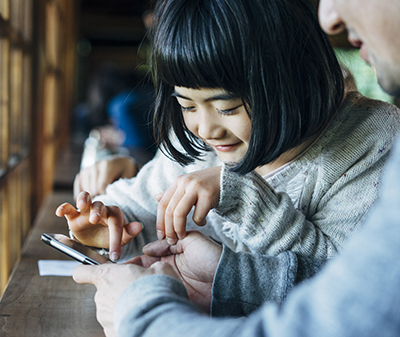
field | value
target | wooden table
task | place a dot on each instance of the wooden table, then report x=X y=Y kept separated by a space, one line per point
x=34 y=305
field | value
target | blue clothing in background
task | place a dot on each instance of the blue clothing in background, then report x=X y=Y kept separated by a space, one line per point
x=131 y=112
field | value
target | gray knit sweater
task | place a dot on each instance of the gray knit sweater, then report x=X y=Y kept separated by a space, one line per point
x=308 y=206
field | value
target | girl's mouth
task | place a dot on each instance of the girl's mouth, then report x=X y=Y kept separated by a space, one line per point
x=226 y=148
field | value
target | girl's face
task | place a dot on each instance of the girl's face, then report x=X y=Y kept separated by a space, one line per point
x=217 y=118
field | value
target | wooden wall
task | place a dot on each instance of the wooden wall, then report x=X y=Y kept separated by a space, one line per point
x=37 y=74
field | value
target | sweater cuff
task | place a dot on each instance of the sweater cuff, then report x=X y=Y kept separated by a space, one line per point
x=239 y=193
x=229 y=183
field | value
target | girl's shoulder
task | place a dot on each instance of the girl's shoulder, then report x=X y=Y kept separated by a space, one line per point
x=361 y=133
x=368 y=113
x=362 y=119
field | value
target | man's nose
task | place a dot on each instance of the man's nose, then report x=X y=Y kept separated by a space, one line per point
x=329 y=18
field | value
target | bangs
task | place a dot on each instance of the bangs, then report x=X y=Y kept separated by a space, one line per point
x=196 y=50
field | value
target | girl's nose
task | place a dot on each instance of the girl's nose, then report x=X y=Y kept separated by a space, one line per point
x=209 y=126
x=329 y=18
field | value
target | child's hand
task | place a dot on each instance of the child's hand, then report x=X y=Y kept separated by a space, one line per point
x=97 y=225
x=200 y=189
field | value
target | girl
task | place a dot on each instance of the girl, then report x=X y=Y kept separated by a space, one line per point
x=254 y=85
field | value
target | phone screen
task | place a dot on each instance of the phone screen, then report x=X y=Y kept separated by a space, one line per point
x=74 y=249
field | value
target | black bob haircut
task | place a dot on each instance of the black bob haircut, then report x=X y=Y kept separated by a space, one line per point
x=270 y=53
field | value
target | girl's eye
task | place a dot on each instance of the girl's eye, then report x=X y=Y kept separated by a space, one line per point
x=187 y=109
x=228 y=111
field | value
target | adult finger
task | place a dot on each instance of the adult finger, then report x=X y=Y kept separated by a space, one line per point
x=157 y=248
x=106 y=176
x=143 y=260
x=85 y=274
x=130 y=168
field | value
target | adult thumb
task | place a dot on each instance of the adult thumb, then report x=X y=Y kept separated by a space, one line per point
x=85 y=274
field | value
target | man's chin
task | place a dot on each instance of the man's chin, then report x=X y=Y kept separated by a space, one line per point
x=391 y=87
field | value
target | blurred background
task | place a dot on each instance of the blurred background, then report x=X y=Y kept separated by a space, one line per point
x=61 y=61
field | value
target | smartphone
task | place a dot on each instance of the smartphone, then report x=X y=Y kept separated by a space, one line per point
x=74 y=249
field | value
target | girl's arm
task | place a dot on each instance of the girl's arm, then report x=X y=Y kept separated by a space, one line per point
x=136 y=196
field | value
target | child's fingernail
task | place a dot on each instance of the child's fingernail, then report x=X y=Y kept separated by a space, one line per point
x=160 y=235
x=171 y=242
x=94 y=215
x=142 y=225
x=114 y=256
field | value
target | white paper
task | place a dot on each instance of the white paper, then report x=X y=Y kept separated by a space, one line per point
x=57 y=267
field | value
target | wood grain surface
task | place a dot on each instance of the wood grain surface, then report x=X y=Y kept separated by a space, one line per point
x=34 y=305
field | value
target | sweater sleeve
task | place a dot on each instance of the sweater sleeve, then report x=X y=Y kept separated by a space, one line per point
x=268 y=223
x=244 y=281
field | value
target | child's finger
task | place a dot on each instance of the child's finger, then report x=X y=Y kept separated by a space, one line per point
x=115 y=228
x=181 y=212
x=96 y=212
x=169 y=230
x=83 y=202
x=200 y=212
x=159 y=196
x=67 y=210
x=169 y=215
x=163 y=203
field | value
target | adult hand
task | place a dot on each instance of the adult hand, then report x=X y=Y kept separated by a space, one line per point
x=195 y=259
x=97 y=225
x=199 y=189
x=110 y=281
x=97 y=177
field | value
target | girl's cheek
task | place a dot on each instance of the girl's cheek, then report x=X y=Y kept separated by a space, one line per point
x=191 y=125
